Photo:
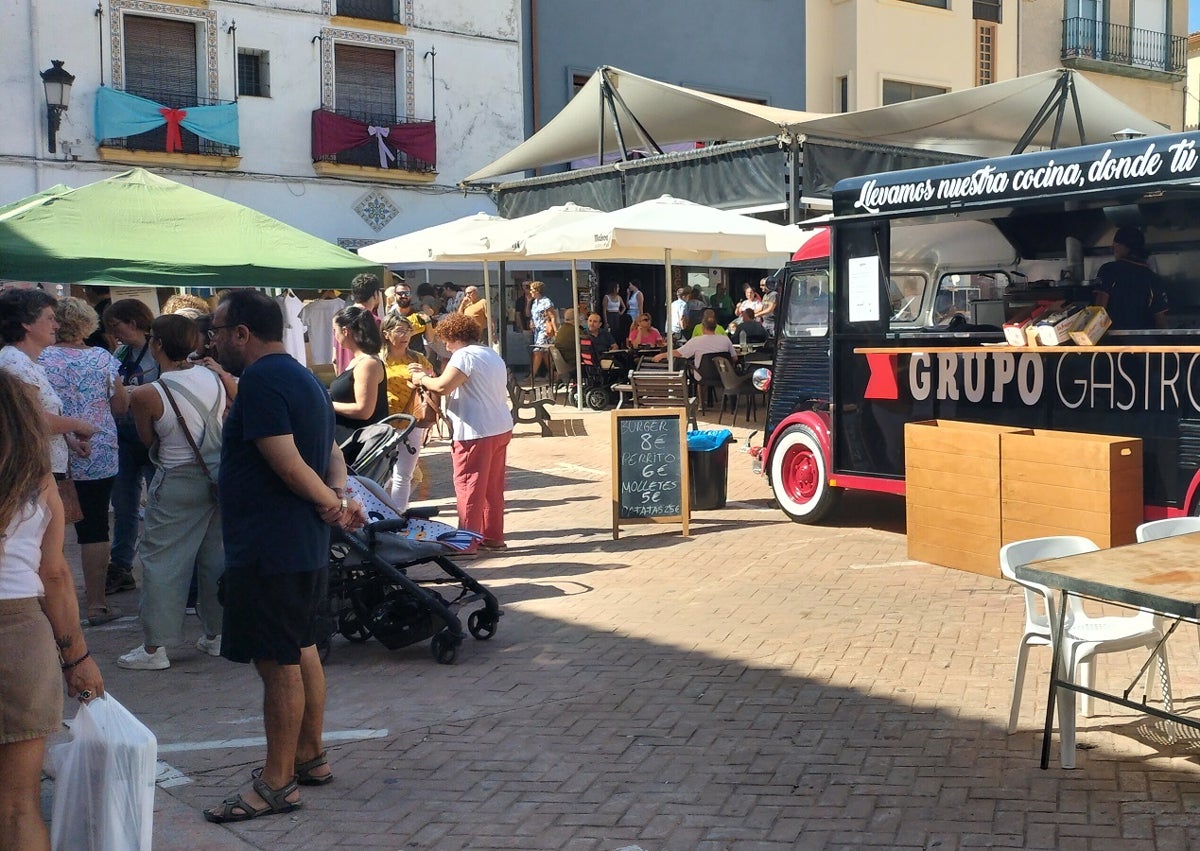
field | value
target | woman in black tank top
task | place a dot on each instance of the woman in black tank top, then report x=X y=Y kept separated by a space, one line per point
x=360 y=393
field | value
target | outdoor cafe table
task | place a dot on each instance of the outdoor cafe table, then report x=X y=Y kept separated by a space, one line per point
x=1162 y=576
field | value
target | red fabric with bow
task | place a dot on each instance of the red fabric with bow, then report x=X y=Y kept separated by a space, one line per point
x=332 y=134
x=174 y=137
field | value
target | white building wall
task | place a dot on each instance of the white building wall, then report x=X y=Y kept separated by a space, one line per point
x=478 y=103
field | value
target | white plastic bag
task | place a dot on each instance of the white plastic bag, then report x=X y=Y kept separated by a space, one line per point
x=104 y=784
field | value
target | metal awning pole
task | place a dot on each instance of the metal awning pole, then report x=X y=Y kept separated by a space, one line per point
x=575 y=319
x=670 y=336
x=487 y=300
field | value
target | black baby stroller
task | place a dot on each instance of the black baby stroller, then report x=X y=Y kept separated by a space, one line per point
x=384 y=579
x=371 y=450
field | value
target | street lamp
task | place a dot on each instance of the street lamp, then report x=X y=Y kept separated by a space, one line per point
x=58 y=96
x=1128 y=134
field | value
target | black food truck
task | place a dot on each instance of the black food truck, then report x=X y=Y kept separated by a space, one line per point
x=896 y=313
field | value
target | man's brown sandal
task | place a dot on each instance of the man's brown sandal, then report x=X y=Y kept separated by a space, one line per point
x=304 y=775
x=276 y=804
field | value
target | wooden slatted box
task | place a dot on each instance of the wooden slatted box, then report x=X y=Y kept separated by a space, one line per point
x=1069 y=483
x=952 y=493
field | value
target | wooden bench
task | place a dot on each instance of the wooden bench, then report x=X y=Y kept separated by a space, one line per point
x=659 y=389
x=529 y=404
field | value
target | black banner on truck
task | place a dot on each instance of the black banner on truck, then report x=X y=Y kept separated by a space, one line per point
x=1149 y=161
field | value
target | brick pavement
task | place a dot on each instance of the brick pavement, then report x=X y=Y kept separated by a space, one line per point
x=760 y=685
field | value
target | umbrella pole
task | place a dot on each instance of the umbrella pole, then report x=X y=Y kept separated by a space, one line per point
x=670 y=336
x=487 y=300
x=575 y=319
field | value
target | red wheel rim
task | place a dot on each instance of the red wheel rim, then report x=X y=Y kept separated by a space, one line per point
x=801 y=473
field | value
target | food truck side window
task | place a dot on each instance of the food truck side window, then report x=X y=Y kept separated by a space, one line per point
x=959 y=291
x=808 y=305
x=907 y=295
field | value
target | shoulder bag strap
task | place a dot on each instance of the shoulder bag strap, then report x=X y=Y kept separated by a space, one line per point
x=186 y=431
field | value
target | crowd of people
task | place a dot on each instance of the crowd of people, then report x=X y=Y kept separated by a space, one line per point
x=618 y=322
x=219 y=455
x=233 y=448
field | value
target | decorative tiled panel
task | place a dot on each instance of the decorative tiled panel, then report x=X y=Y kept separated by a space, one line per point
x=376 y=209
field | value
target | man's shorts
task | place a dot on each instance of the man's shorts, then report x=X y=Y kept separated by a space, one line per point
x=270 y=617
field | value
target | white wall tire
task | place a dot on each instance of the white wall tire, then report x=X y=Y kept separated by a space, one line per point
x=800 y=476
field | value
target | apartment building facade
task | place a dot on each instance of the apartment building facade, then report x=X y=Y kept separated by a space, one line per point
x=1135 y=50
x=864 y=54
x=353 y=120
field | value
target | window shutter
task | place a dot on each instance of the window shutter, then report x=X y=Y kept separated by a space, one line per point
x=365 y=83
x=160 y=60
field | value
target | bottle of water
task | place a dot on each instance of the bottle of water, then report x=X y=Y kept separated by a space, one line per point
x=742 y=340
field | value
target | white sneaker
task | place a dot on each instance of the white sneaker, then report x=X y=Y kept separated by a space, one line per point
x=138 y=659
x=211 y=646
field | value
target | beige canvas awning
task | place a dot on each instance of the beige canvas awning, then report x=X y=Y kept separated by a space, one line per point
x=985 y=121
x=669 y=114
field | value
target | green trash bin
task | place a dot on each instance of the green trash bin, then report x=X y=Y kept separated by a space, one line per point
x=708 y=468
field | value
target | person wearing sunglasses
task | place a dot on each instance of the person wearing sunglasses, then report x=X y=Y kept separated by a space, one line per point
x=643 y=335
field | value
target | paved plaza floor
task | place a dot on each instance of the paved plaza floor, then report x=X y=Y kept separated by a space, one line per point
x=757 y=685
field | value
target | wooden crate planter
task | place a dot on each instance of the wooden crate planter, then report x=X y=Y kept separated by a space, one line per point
x=953 y=493
x=1068 y=483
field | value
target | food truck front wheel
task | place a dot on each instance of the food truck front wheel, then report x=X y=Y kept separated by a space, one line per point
x=800 y=476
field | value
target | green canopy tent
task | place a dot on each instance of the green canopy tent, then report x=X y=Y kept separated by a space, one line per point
x=139 y=228
x=34 y=199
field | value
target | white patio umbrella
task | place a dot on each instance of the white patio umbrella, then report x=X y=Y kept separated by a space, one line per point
x=667 y=228
x=422 y=246
x=505 y=240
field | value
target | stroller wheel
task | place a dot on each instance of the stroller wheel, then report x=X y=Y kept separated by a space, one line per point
x=352 y=627
x=443 y=649
x=481 y=625
x=596 y=398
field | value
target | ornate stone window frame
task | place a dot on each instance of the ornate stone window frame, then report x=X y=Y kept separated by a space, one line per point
x=332 y=35
x=327 y=10
x=207 y=18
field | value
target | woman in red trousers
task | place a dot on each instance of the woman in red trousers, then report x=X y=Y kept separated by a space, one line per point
x=474 y=387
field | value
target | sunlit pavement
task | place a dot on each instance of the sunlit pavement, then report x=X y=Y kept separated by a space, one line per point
x=757 y=685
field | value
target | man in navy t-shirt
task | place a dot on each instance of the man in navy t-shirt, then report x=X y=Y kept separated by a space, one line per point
x=280 y=482
x=1128 y=288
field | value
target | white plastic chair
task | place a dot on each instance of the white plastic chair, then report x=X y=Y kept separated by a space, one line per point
x=1169 y=528
x=1084 y=637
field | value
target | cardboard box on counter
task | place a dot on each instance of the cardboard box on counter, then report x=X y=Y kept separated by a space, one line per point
x=1093 y=322
x=1015 y=328
x=1055 y=328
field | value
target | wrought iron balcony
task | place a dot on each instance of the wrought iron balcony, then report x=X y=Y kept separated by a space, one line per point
x=371 y=10
x=156 y=139
x=1135 y=49
x=350 y=137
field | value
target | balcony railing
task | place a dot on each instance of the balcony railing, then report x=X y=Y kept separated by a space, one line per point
x=371 y=10
x=1084 y=38
x=156 y=139
x=368 y=154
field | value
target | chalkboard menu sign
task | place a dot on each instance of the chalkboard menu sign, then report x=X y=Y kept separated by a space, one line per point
x=650 y=467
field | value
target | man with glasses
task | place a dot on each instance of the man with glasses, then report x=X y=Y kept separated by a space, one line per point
x=420 y=323
x=280 y=481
